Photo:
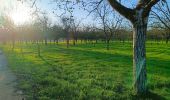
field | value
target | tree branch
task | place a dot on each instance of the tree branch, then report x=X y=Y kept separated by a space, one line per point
x=151 y=4
x=124 y=11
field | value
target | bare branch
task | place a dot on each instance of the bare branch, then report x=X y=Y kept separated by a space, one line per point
x=126 y=12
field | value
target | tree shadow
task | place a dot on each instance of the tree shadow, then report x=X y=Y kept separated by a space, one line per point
x=47 y=62
x=148 y=96
x=105 y=56
x=75 y=54
x=160 y=85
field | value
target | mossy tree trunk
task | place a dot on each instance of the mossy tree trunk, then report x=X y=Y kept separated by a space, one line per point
x=139 y=18
x=139 y=52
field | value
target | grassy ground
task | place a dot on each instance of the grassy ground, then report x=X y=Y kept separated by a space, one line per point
x=87 y=71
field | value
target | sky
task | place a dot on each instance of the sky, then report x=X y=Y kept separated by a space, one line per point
x=21 y=12
x=49 y=6
x=15 y=10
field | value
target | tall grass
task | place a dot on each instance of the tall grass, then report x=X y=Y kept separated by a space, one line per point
x=87 y=71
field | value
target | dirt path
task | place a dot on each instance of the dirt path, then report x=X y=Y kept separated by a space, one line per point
x=7 y=81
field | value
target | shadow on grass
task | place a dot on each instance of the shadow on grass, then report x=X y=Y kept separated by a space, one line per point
x=160 y=85
x=80 y=55
x=47 y=62
x=148 y=96
x=119 y=58
x=104 y=56
x=76 y=54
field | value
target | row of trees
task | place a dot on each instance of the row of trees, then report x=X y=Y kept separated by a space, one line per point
x=138 y=16
x=108 y=26
x=36 y=32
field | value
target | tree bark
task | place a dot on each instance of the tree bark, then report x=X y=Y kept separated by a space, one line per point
x=139 y=18
x=139 y=53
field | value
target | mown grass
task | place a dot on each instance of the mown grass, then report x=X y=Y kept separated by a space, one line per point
x=86 y=71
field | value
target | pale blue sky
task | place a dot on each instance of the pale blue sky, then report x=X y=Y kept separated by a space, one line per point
x=49 y=6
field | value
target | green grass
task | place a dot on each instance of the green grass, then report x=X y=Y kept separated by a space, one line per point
x=87 y=71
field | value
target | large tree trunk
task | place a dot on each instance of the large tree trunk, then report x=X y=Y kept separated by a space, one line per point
x=139 y=17
x=139 y=53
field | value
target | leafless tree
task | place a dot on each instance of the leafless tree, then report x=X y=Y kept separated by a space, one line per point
x=110 y=22
x=9 y=24
x=66 y=21
x=74 y=29
x=161 y=16
x=138 y=16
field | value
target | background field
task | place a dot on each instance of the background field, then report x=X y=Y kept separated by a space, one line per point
x=86 y=71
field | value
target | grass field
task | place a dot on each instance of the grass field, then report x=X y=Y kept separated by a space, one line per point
x=87 y=71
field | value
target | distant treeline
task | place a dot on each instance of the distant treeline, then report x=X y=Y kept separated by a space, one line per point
x=57 y=33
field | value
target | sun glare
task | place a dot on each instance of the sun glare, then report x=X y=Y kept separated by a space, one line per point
x=19 y=18
x=20 y=15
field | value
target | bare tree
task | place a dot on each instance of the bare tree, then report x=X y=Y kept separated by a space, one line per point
x=139 y=18
x=74 y=27
x=9 y=24
x=56 y=33
x=66 y=21
x=45 y=25
x=109 y=21
x=162 y=19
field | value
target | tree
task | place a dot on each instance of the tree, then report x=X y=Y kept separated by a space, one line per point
x=138 y=16
x=45 y=26
x=74 y=27
x=109 y=21
x=139 y=19
x=56 y=32
x=9 y=24
x=162 y=19
x=66 y=21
